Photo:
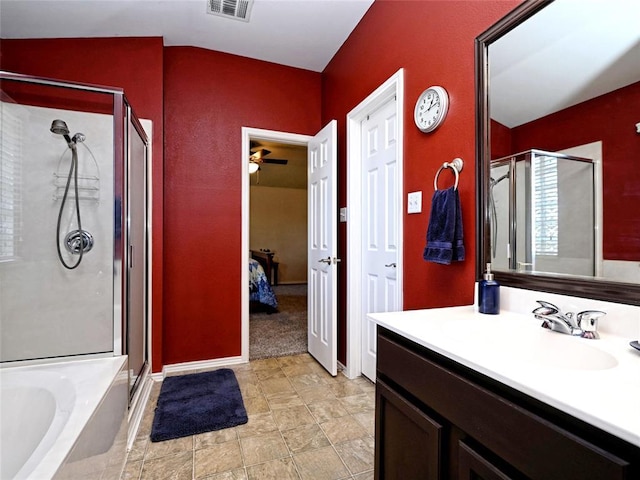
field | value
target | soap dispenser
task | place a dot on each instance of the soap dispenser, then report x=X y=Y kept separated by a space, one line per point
x=488 y=294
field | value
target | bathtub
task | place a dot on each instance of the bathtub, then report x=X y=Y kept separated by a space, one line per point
x=64 y=420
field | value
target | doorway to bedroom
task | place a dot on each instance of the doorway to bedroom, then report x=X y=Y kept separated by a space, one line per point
x=277 y=238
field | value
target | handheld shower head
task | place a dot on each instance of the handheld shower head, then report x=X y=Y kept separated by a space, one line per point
x=59 y=127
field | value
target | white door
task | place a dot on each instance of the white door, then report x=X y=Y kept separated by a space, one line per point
x=379 y=135
x=323 y=247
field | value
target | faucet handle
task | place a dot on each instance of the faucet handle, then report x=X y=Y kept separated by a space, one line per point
x=588 y=322
x=545 y=308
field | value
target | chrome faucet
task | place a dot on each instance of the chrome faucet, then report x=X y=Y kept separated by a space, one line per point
x=583 y=324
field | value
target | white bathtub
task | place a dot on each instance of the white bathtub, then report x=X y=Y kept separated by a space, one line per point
x=63 y=420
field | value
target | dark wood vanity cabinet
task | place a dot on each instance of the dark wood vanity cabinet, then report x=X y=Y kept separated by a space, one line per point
x=473 y=466
x=400 y=423
x=436 y=419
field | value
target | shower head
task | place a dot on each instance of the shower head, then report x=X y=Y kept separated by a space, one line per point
x=59 y=127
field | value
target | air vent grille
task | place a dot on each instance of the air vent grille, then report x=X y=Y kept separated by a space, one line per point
x=237 y=9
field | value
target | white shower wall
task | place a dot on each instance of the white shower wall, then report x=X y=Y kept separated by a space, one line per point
x=45 y=309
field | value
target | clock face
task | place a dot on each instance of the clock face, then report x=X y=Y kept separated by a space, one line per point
x=431 y=108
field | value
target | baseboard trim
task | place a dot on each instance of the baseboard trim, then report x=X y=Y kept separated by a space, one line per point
x=188 y=366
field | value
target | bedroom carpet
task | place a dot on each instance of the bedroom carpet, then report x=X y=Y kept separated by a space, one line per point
x=282 y=333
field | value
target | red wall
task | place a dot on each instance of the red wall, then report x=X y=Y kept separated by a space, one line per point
x=134 y=64
x=611 y=119
x=434 y=42
x=500 y=140
x=208 y=97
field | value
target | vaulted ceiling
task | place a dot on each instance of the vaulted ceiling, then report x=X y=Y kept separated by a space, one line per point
x=299 y=33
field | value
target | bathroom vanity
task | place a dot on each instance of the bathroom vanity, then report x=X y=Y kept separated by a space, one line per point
x=461 y=395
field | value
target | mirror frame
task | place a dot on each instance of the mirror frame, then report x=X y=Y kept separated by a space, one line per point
x=598 y=289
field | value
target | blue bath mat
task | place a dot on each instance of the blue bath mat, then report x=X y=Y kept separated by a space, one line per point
x=198 y=403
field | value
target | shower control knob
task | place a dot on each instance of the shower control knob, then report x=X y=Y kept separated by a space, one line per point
x=78 y=240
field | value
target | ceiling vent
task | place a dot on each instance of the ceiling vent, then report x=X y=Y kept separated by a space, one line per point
x=237 y=9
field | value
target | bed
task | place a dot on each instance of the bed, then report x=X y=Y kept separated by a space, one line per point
x=260 y=291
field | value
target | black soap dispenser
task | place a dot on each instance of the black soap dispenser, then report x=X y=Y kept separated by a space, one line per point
x=488 y=294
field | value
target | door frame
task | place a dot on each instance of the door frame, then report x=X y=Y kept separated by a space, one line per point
x=392 y=86
x=249 y=134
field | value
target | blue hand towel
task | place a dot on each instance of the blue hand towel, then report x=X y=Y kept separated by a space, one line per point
x=445 y=241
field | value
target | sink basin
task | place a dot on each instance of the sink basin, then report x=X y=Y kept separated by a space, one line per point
x=527 y=342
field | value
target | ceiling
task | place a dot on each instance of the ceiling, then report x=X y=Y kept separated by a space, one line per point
x=299 y=33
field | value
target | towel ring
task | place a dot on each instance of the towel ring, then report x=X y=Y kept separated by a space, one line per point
x=456 y=165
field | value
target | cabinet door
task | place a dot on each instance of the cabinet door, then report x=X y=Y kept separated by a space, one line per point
x=408 y=442
x=472 y=466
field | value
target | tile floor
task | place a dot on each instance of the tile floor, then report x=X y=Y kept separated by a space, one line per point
x=303 y=424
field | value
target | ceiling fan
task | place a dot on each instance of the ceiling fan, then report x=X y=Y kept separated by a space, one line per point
x=258 y=157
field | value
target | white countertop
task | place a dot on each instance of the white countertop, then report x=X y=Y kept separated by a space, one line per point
x=597 y=381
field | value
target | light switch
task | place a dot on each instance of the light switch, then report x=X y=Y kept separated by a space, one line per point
x=414 y=202
x=343 y=214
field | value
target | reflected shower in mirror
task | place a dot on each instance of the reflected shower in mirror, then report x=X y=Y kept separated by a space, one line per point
x=543 y=213
x=558 y=178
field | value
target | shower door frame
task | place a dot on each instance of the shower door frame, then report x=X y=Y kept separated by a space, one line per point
x=120 y=254
x=129 y=279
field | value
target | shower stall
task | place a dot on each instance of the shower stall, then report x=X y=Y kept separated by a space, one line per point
x=73 y=244
x=542 y=213
x=73 y=223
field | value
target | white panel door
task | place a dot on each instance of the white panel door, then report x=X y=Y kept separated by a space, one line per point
x=379 y=134
x=323 y=247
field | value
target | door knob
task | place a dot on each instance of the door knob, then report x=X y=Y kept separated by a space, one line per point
x=325 y=260
x=392 y=265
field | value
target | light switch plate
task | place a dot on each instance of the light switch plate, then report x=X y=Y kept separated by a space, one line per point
x=343 y=214
x=414 y=202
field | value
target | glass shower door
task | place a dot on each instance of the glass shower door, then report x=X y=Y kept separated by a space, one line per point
x=46 y=309
x=137 y=241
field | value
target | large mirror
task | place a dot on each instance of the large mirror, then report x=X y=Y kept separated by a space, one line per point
x=558 y=148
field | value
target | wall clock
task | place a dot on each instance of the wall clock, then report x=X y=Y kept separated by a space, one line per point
x=431 y=108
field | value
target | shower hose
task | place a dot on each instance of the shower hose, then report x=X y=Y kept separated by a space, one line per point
x=73 y=172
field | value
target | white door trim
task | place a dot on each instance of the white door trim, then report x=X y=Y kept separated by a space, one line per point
x=248 y=134
x=393 y=86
